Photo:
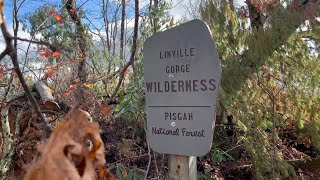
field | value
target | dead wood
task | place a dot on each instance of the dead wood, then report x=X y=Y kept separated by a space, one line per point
x=46 y=96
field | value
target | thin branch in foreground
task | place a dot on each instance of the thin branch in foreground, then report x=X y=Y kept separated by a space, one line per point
x=53 y=47
x=4 y=53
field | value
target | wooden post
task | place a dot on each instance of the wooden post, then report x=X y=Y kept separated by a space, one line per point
x=182 y=167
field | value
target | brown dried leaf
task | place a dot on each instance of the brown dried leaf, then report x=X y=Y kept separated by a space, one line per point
x=67 y=154
x=105 y=110
x=110 y=176
x=124 y=173
x=103 y=175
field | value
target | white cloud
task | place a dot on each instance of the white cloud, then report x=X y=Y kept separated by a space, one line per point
x=178 y=11
x=183 y=9
x=189 y=9
x=21 y=45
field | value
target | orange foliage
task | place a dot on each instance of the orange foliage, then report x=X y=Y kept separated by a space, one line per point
x=57 y=17
x=45 y=54
x=69 y=90
x=49 y=74
x=94 y=75
x=56 y=54
x=265 y=5
x=90 y=86
x=72 y=10
x=73 y=151
x=267 y=77
x=104 y=175
x=49 y=71
x=105 y=110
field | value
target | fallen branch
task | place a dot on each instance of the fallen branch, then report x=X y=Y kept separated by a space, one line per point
x=46 y=96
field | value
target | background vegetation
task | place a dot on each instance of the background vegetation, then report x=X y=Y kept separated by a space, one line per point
x=90 y=53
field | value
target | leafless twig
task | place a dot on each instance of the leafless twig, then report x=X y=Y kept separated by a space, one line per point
x=133 y=50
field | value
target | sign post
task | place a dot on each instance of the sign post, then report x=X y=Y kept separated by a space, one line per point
x=182 y=74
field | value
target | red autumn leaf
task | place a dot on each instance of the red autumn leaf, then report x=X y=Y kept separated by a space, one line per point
x=53 y=12
x=267 y=77
x=105 y=110
x=124 y=173
x=50 y=74
x=72 y=10
x=67 y=93
x=56 y=16
x=56 y=54
x=94 y=75
x=69 y=90
x=45 y=54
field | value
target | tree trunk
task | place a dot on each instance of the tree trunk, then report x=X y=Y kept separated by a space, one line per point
x=123 y=17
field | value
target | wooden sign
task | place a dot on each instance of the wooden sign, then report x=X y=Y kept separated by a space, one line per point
x=182 y=74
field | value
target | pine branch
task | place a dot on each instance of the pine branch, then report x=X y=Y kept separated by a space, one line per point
x=264 y=42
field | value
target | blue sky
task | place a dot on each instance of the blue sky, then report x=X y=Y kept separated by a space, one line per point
x=91 y=8
x=179 y=10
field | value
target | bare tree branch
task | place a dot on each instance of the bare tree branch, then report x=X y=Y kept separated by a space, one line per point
x=53 y=47
x=4 y=53
x=133 y=50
